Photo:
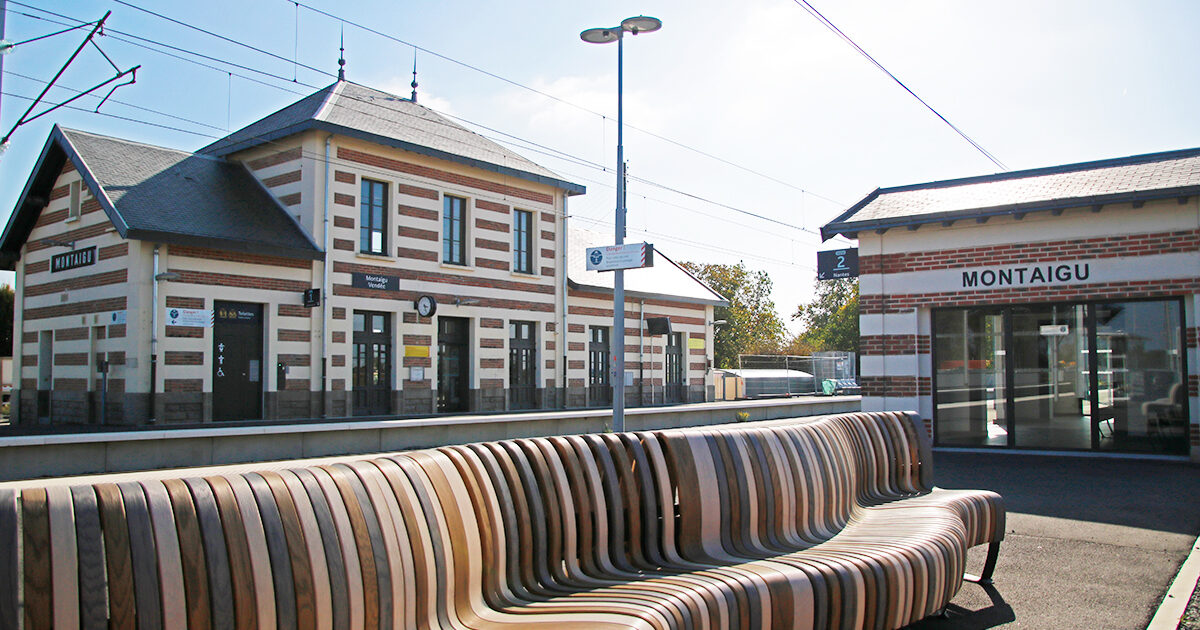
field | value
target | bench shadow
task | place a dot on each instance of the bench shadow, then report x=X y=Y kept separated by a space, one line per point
x=998 y=612
x=1122 y=492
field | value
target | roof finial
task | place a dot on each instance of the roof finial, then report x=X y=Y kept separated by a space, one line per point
x=342 y=55
x=414 y=81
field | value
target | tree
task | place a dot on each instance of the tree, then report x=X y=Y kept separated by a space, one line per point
x=751 y=324
x=831 y=320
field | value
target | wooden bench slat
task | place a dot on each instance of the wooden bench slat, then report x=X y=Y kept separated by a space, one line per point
x=221 y=602
x=169 y=562
x=335 y=566
x=39 y=593
x=122 y=609
x=376 y=545
x=237 y=547
x=64 y=557
x=361 y=538
x=258 y=553
x=314 y=607
x=347 y=545
x=93 y=603
x=282 y=579
x=147 y=596
x=387 y=549
x=192 y=555
x=9 y=547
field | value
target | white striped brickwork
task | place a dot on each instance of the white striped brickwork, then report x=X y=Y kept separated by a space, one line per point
x=1147 y=251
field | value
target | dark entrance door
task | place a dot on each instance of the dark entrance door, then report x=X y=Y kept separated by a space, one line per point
x=372 y=363
x=522 y=365
x=453 y=364
x=45 y=375
x=599 y=387
x=674 y=391
x=237 y=360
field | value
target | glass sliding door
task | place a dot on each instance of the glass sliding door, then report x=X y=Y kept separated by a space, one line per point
x=1068 y=376
x=970 y=366
x=1050 y=380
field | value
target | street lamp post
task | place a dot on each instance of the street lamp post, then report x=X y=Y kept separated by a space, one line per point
x=633 y=25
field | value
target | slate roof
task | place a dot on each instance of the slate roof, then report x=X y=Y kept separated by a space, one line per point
x=356 y=110
x=162 y=195
x=666 y=280
x=1122 y=180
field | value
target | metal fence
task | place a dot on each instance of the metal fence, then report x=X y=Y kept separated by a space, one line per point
x=789 y=375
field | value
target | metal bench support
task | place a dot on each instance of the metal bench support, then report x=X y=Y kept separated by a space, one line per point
x=989 y=566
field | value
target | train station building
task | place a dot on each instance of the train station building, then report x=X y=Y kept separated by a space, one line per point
x=352 y=254
x=1045 y=309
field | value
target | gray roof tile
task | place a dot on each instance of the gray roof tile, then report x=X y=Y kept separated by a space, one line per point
x=1133 y=178
x=385 y=118
x=158 y=192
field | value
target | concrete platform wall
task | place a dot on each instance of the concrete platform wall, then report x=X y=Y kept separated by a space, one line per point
x=30 y=457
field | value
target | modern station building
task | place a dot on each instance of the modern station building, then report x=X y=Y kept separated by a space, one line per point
x=351 y=254
x=1052 y=308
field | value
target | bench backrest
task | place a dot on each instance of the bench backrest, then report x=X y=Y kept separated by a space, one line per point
x=405 y=538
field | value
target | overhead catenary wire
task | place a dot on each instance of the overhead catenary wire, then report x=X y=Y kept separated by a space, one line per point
x=804 y=4
x=225 y=39
x=540 y=148
x=319 y=158
x=558 y=99
x=476 y=69
x=117 y=35
x=148 y=110
x=548 y=150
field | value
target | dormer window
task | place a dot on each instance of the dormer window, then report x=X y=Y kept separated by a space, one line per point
x=73 y=211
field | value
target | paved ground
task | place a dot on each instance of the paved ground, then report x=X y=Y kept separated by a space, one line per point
x=1191 y=617
x=1090 y=543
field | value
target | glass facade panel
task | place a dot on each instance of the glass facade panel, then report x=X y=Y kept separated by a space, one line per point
x=1070 y=376
x=971 y=377
x=1142 y=397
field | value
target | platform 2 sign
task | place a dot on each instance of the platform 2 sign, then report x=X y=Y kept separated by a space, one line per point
x=837 y=263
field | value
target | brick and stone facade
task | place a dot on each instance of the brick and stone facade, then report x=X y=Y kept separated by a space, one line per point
x=1081 y=254
x=70 y=321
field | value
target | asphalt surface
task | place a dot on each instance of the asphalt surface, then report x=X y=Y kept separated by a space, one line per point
x=1090 y=542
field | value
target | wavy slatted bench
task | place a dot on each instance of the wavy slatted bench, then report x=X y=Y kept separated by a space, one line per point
x=827 y=522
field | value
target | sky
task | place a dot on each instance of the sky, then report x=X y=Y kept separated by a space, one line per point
x=733 y=109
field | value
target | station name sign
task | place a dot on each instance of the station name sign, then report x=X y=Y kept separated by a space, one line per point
x=376 y=281
x=73 y=260
x=1027 y=275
